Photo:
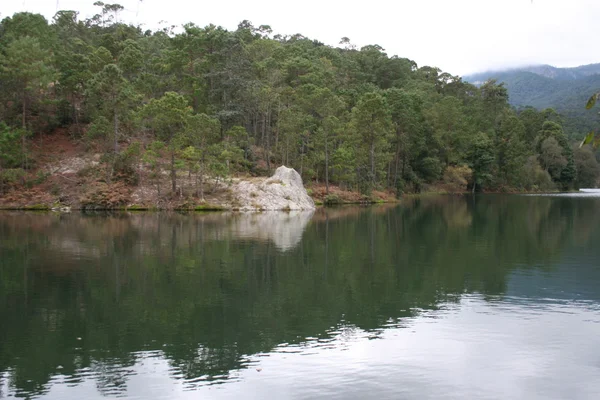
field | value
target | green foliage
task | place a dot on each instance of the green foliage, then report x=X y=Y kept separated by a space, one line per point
x=430 y=169
x=457 y=178
x=10 y=146
x=372 y=125
x=11 y=176
x=481 y=157
x=534 y=178
x=587 y=167
x=556 y=154
x=125 y=164
x=99 y=129
x=27 y=66
x=332 y=200
x=112 y=97
x=552 y=159
x=152 y=157
x=223 y=102
x=167 y=117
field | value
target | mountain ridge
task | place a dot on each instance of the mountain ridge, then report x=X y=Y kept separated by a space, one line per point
x=545 y=70
x=543 y=86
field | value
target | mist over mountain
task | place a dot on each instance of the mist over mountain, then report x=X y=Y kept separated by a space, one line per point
x=544 y=86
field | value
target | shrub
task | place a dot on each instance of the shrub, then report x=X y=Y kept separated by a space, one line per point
x=456 y=178
x=105 y=196
x=430 y=169
x=332 y=200
x=11 y=176
x=534 y=178
x=40 y=177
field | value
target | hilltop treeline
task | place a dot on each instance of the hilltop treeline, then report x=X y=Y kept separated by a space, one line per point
x=205 y=102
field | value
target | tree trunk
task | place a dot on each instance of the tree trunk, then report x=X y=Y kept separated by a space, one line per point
x=201 y=186
x=277 y=126
x=389 y=173
x=302 y=158
x=116 y=131
x=396 y=175
x=287 y=153
x=372 y=157
x=24 y=149
x=24 y=112
x=24 y=136
x=173 y=174
x=326 y=164
x=263 y=129
x=268 y=129
x=396 y=162
x=201 y=173
x=76 y=116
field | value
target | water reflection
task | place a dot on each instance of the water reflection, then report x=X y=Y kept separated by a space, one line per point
x=284 y=230
x=156 y=305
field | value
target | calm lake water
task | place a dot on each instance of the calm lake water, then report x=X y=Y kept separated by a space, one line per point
x=491 y=297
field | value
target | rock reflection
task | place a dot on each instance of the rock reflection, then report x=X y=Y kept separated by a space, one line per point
x=282 y=229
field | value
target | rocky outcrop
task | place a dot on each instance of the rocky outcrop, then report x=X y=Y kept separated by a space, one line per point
x=283 y=191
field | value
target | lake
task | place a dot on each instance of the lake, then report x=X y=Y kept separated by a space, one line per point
x=485 y=297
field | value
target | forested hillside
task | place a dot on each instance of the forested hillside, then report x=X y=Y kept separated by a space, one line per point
x=173 y=111
x=564 y=89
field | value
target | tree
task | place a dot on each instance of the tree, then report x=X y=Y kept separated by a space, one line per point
x=231 y=148
x=29 y=69
x=25 y=24
x=371 y=121
x=326 y=109
x=114 y=97
x=511 y=151
x=408 y=119
x=481 y=160
x=168 y=118
x=201 y=132
x=552 y=130
x=534 y=178
x=588 y=169
x=450 y=130
x=495 y=97
x=552 y=158
x=152 y=157
x=10 y=150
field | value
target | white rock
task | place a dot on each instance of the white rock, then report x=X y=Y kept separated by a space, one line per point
x=283 y=191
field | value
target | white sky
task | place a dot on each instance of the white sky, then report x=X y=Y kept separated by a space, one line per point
x=458 y=36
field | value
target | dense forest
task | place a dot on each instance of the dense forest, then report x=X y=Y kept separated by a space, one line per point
x=168 y=107
x=564 y=89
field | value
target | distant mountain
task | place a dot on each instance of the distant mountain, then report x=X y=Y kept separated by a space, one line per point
x=542 y=86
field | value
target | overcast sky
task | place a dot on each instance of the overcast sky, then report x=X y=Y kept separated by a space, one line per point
x=458 y=36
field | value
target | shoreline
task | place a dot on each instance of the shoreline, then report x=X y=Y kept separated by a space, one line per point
x=215 y=208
